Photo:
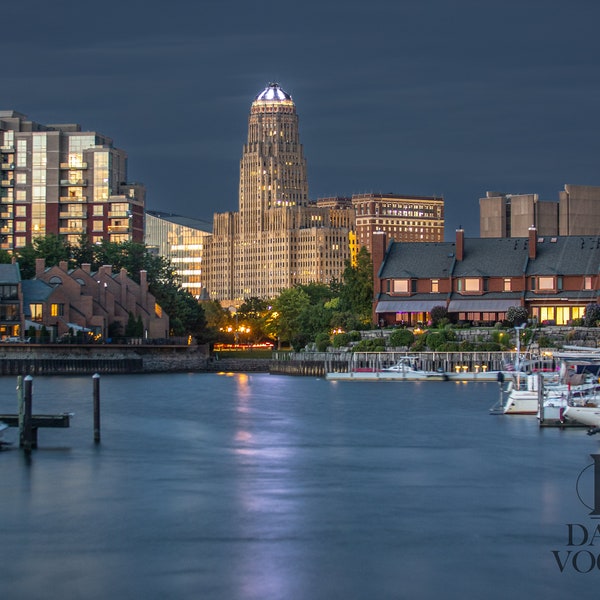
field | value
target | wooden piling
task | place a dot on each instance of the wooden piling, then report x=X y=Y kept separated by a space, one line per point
x=26 y=433
x=96 y=385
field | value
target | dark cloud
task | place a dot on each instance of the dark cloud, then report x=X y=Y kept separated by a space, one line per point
x=429 y=97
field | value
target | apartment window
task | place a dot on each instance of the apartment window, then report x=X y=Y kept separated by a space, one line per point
x=401 y=286
x=587 y=283
x=507 y=285
x=545 y=283
x=472 y=284
x=36 y=312
x=435 y=286
x=57 y=310
x=21 y=178
x=20 y=211
x=98 y=210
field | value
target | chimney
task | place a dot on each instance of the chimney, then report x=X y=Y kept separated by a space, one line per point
x=532 y=242
x=460 y=243
x=40 y=266
x=378 y=246
x=63 y=265
x=87 y=268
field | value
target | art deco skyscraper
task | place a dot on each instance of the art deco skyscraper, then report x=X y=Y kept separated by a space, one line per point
x=273 y=168
x=278 y=238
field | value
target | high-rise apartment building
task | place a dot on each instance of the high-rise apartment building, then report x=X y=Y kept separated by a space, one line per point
x=183 y=241
x=577 y=212
x=61 y=180
x=278 y=238
x=403 y=218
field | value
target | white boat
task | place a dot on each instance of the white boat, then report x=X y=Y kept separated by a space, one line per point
x=587 y=415
x=556 y=395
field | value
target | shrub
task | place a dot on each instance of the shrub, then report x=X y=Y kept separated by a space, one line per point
x=401 y=338
x=516 y=315
x=438 y=313
x=435 y=340
x=591 y=315
x=419 y=344
x=372 y=345
x=322 y=341
x=340 y=340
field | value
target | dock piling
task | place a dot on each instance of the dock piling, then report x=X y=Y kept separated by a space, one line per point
x=96 y=385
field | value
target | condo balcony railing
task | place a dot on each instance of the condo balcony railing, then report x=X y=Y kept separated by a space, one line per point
x=7 y=182
x=73 y=167
x=73 y=182
x=73 y=214
x=7 y=166
x=118 y=228
x=7 y=148
x=79 y=229
x=73 y=199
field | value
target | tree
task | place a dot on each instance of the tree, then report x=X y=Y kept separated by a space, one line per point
x=401 y=338
x=438 y=314
x=591 y=316
x=356 y=294
x=52 y=248
x=516 y=315
x=289 y=307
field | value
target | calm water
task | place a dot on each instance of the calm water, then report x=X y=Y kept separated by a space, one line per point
x=260 y=487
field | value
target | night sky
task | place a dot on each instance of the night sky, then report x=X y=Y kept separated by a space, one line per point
x=430 y=97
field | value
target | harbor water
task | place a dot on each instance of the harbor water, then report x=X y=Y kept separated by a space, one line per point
x=254 y=487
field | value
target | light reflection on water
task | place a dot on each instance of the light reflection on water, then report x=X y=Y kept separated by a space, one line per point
x=253 y=486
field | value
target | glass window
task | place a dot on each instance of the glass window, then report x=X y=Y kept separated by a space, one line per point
x=36 y=312
x=587 y=284
x=401 y=286
x=20 y=211
x=507 y=285
x=57 y=310
x=545 y=283
x=472 y=284
x=435 y=285
x=21 y=178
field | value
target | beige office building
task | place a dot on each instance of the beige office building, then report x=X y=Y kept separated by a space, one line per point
x=277 y=238
x=577 y=212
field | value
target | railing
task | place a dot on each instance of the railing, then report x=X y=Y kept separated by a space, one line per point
x=73 y=167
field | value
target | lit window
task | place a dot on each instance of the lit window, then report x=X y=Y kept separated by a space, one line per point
x=472 y=284
x=435 y=284
x=545 y=283
x=57 y=310
x=401 y=286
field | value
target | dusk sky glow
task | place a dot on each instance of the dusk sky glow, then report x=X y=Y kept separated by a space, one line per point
x=420 y=98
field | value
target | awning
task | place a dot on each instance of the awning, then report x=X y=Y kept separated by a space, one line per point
x=481 y=305
x=408 y=306
x=76 y=327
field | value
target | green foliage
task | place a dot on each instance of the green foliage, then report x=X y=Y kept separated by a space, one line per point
x=502 y=338
x=516 y=315
x=5 y=258
x=370 y=345
x=437 y=314
x=545 y=342
x=356 y=293
x=290 y=306
x=435 y=339
x=401 y=337
x=420 y=343
x=591 y=315
x=322 y=341
x=340 y=340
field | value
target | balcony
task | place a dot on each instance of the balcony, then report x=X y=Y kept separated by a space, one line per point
x=7 y=166
x=7 y=149
x=118 y=228
x=7 y=182
x=73 y=214
x=73 y=199
x=119 y=214
x=72 y=230
x=73 y=183
x=74 y=167
x=7 y=229
x=5 y=214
